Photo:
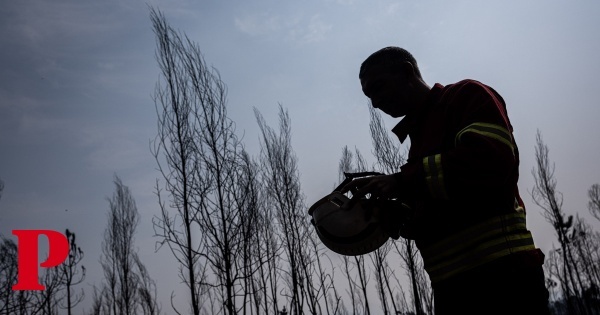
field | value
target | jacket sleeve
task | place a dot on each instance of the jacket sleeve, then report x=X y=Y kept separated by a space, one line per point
x=482 y=159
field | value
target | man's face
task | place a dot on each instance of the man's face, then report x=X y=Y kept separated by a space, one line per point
x=389 y=92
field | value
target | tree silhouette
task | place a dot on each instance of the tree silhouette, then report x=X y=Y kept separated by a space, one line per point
x=127 y=288
x=176 y=154
x=307 y=284
x=390 y=157
x=8 y=276
x=567 y=269
x=71 y=274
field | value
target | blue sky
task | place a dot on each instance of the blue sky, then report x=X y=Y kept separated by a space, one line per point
x=77 y=80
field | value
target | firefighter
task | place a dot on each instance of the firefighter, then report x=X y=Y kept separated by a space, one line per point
x=460 y=179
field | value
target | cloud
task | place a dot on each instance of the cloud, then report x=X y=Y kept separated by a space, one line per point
x=28 y=116
x=295 y=28
x=342 y=2
x=314 y=31
x=393 y=8
x=118 y=154
x=43 y=24
x=259 y=24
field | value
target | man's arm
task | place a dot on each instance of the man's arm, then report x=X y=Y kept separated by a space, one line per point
x=482 y=160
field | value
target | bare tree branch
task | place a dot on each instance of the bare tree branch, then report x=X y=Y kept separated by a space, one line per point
x=594 y=203
x=72 y=275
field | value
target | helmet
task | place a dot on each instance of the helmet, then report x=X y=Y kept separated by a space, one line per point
x=356 y=227
x=349 y=231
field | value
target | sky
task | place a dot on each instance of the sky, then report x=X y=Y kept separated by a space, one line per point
x=77 y=79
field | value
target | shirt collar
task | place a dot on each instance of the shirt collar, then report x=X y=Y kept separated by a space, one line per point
x=407 y=124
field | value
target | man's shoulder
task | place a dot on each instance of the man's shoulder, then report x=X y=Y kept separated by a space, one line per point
x=466 y=83
x=467 y=88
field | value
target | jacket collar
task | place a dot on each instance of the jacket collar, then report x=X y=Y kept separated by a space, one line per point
x=408 y=123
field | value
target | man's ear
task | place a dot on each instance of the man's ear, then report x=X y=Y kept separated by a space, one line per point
x=408 y=70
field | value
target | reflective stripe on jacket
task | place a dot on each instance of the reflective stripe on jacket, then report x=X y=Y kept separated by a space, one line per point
x=477 y=245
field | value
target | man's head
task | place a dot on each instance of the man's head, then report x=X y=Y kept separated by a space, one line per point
x=391 y=58
x=391 y=78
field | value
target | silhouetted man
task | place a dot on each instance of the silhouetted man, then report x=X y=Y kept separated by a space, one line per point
x=461 y=182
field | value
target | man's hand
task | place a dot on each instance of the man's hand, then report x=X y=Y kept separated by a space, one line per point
x=384 y=186
x=398 y=219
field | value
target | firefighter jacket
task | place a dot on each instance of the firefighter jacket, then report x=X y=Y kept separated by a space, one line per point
x=461 y=178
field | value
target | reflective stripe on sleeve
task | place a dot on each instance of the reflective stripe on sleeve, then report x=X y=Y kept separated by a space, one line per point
x=434 y=176
x=493 y=131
